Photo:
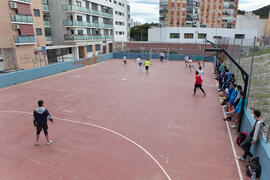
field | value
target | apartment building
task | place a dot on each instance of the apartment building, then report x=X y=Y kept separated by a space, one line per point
x=198 y=13
x=89 y=27
x=22 y=34
x=47 y=21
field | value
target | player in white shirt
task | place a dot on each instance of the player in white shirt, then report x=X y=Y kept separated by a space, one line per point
x=125 y=60
x=190 y=64
x=201 y=72
x=186 y=61
x=139 y=61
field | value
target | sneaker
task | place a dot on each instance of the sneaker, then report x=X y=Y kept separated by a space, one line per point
x=36 y=144
x=241 y=158
x=227 y=113
x=50 y=142
x=233 y=126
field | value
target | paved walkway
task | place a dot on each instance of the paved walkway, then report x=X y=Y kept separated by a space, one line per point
x=117 y=122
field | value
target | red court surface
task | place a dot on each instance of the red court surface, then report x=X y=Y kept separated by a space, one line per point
x=116 y=122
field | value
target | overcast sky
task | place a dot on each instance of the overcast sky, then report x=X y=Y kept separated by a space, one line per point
x=148 y=10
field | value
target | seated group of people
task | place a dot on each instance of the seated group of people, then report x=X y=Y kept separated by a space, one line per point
x=233 y=98
x=231 y=91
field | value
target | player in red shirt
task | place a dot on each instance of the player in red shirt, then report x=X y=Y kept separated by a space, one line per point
x=198 y=83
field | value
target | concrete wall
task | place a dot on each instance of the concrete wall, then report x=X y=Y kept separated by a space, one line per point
x=57 y=17
x=251 y=22
x=261 y=149
x=163 y=34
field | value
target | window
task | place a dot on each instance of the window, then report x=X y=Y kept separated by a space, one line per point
x=88 y=18
x=97 y=47
x=217 y=37
x=89 y=48
x=87 y=5
x=79 y=18
x=36 y=12
x=201 y=36
x=79 y=4
x=174 y=35
x=39 y=31
x=188 y=35
x=239 y=36
x=80 y=32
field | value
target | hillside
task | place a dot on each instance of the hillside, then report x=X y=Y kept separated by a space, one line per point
x=262 y=12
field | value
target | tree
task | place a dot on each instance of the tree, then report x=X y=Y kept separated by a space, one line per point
x=241 y=12
x=140 y=32
x=262 y=12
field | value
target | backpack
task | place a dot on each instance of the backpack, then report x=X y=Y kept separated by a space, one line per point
x=242 y=136
x=254 y=166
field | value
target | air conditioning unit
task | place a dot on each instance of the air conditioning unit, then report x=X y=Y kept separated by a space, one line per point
x=13 y=5
x=15 y=26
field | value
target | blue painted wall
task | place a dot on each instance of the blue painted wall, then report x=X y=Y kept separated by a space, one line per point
x=17 y=77
x=261 y=149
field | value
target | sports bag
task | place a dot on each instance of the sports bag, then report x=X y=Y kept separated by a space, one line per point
x=254 y=166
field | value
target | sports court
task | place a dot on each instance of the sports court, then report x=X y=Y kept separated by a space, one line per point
x=116 y=122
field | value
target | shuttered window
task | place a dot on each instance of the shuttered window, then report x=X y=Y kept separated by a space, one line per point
x=24 y=9
x=27 y=30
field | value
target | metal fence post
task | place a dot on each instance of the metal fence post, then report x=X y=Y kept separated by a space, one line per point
x=239 y=61
x=251 y=68
x=204 y=51
x=268 y=134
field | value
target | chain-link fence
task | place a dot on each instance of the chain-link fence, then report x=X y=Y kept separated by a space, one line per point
x=194 y=50
x=255 y=60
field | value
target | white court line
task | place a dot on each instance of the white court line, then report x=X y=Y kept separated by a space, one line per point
x=234 y=152
x=106 y=129
x=67 y=111
x=232 y=143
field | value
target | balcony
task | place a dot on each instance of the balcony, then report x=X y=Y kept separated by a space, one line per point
x=45 y=7
x=228 y=7
x=24 y=40
x=85 y=38
x=22 y=1
x=47 y=23
x=21 y=19
x=68 y=23
x=72 y=8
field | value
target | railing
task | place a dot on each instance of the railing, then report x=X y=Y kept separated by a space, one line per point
x=47 y=23
x=48 y=38
x=228 y=7
x=68 y=7
x=21 y=18
x=24 y=39
x=45 y=7
x=27 y=1
x=86 y=24
x=83 y=37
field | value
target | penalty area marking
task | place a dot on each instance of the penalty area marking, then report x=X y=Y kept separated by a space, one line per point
x=105 y=129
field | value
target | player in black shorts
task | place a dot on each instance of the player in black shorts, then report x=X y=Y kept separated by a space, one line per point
x=41 y=115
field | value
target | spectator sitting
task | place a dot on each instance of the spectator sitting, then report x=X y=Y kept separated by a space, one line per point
x=233 y=96
x=235 y=113
x=253 y=136
x=239 y=89
x=228 y=91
